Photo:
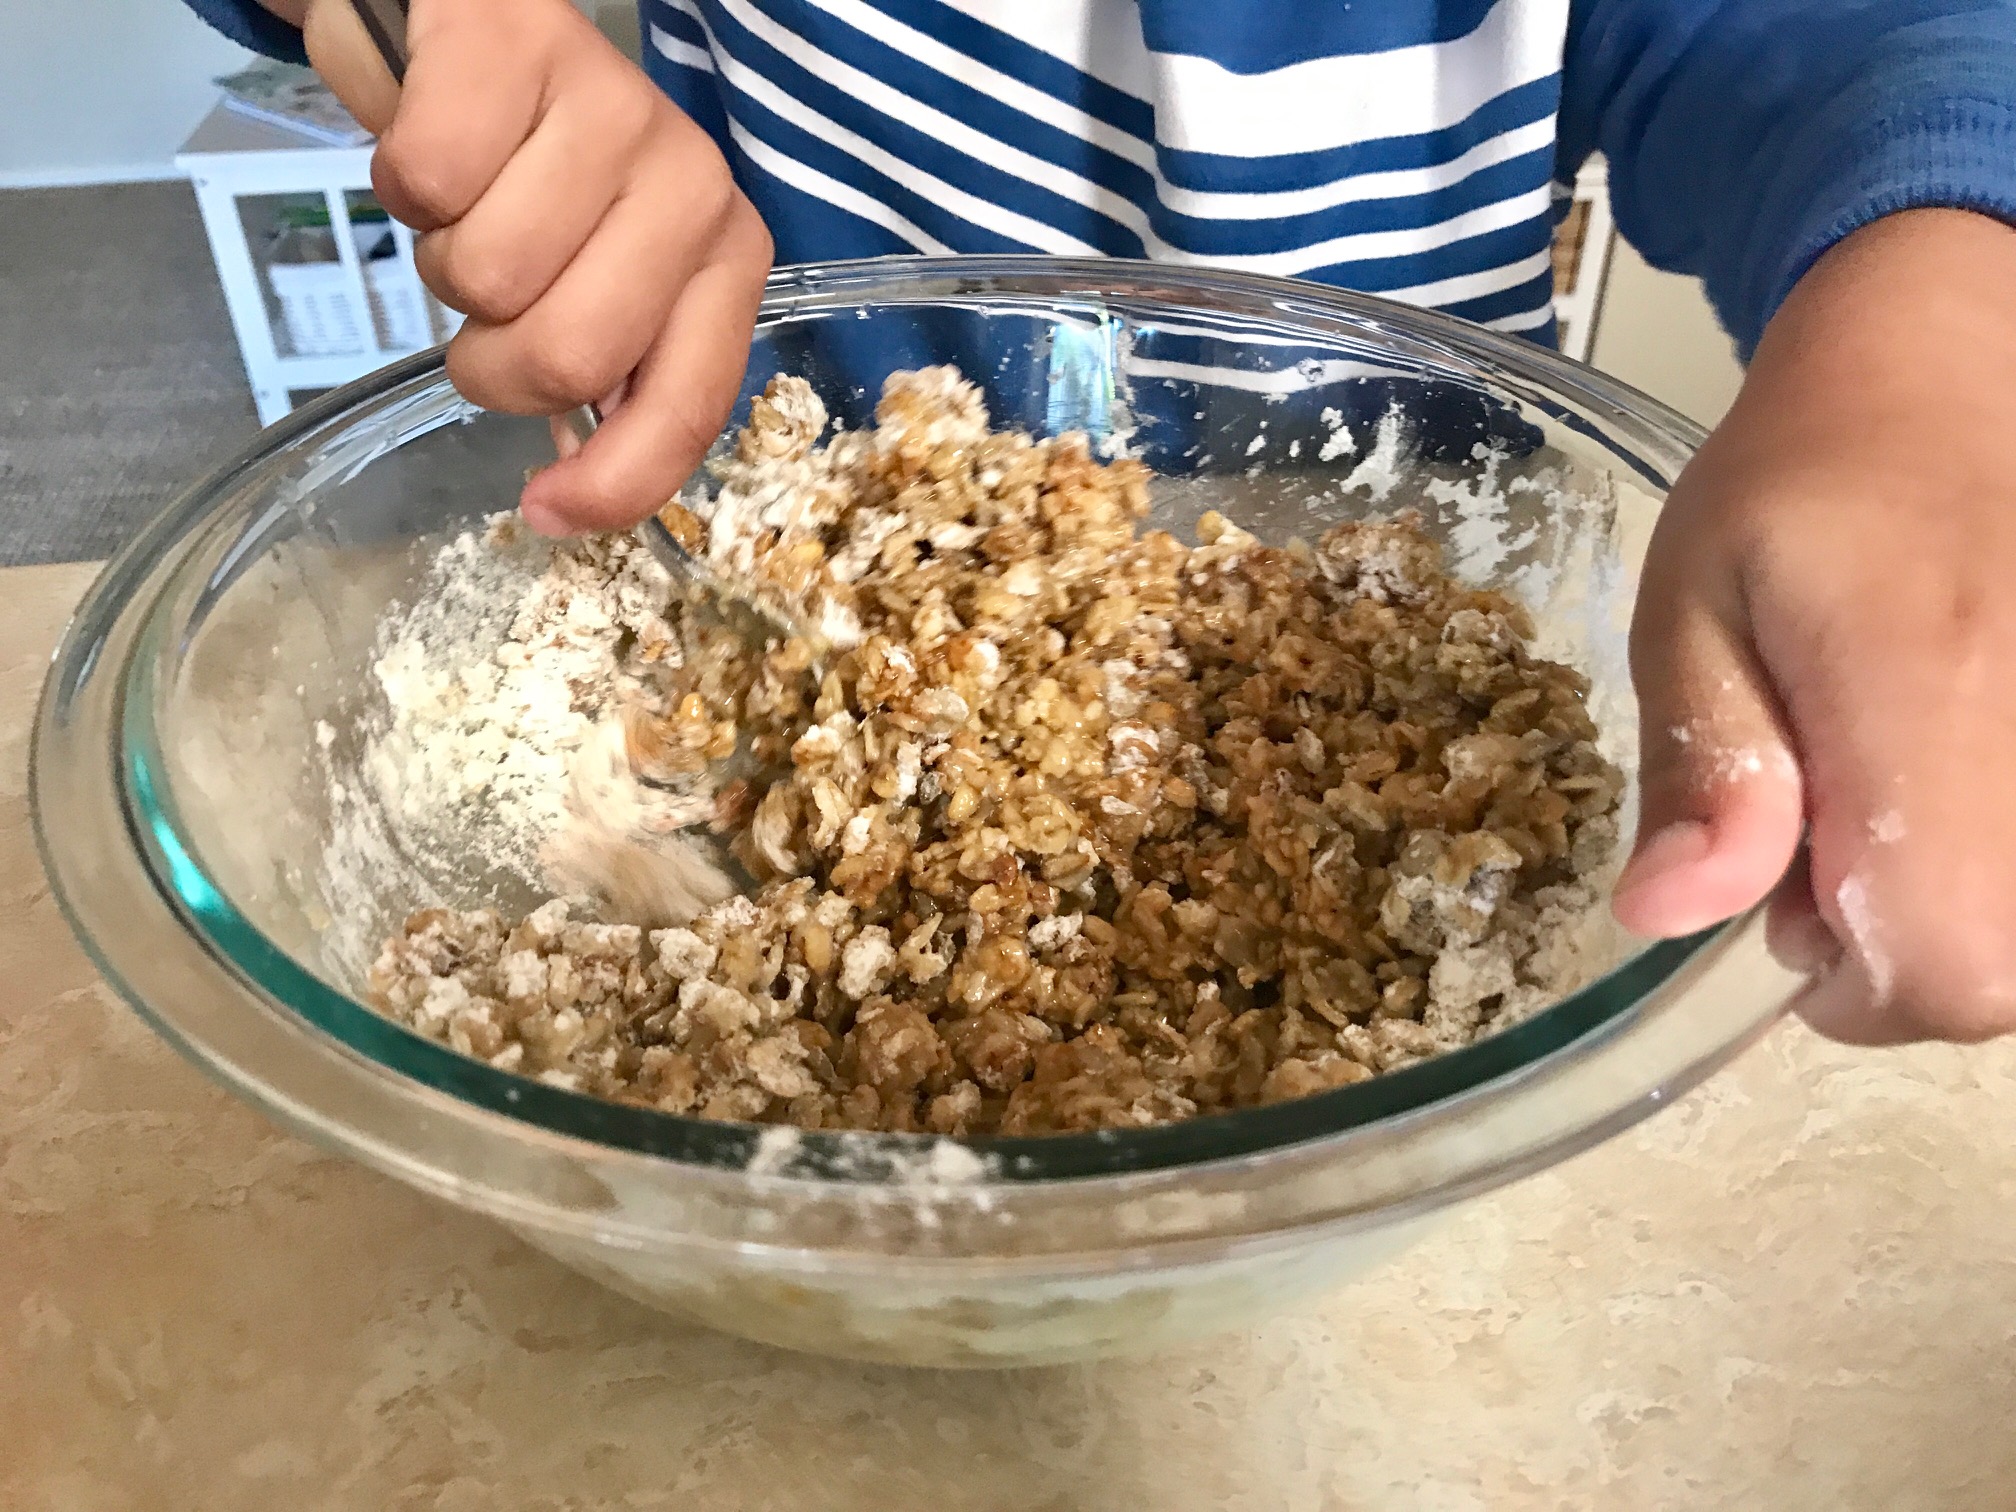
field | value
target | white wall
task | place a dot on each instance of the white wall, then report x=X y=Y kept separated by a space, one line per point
x=1657 y=332
x=94 y=91
x=100 y=90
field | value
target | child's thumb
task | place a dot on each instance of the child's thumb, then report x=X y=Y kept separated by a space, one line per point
x=1720 y=800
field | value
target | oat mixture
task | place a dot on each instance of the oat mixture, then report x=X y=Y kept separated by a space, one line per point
x=1075 y=827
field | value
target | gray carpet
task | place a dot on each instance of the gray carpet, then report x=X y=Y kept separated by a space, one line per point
x=119 y=377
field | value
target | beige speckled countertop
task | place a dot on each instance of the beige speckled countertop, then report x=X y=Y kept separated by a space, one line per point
x=1795 y=1290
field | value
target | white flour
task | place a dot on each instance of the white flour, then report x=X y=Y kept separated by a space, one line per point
x=1339 y=443
x=482 y=741
x=477 y=773
x=934 y=1169
x=1386 y=465
x=1858 y=917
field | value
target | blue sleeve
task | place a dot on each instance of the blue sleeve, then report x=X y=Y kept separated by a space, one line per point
x=250 y=24
x=1746 y=137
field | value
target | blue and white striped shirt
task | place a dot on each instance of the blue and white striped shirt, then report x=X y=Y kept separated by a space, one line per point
x=1409 y=148
x=1309 y=145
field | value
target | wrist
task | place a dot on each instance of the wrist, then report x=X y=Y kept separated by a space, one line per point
x=1911 y=315
x=1906 y=287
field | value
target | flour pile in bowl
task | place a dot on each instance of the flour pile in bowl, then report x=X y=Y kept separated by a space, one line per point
x=1077 y=826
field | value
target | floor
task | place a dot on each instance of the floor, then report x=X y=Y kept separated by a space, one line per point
x=121 y=382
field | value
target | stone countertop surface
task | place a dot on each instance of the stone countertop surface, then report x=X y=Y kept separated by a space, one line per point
x=1796 y=1289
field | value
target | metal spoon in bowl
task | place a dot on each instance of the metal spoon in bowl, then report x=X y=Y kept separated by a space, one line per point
x=754 y=614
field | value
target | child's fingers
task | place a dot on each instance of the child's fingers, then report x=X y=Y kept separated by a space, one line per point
x=1855 y=514
x=349 y=63
x=1719 y=792
x=591 y=233
x=541 y=210
x=476 y=85
x=1881 y=617
x=1908 y=721
x=566 y=439
x=1843 y=1004
x=586 y=333
x=1798 y=937
x=678 y=399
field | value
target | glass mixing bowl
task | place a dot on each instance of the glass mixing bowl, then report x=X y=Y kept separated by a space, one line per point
x=183 y=797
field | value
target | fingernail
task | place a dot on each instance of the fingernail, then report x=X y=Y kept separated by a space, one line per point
x=1679 y=844
x=542 y=519
x=1641 y=903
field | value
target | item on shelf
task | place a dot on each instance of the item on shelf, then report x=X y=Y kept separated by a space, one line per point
x=318 y=299
x=1581 y=258
x=285 y=94
x=313 y=307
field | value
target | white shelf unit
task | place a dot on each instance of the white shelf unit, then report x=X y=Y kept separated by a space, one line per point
x=1582 y=260
x=352 y=314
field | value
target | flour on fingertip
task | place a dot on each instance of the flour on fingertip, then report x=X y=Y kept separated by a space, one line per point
x=1851 y=898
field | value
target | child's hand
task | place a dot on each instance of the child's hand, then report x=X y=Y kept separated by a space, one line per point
x=588 y=229
x=1827 y=631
